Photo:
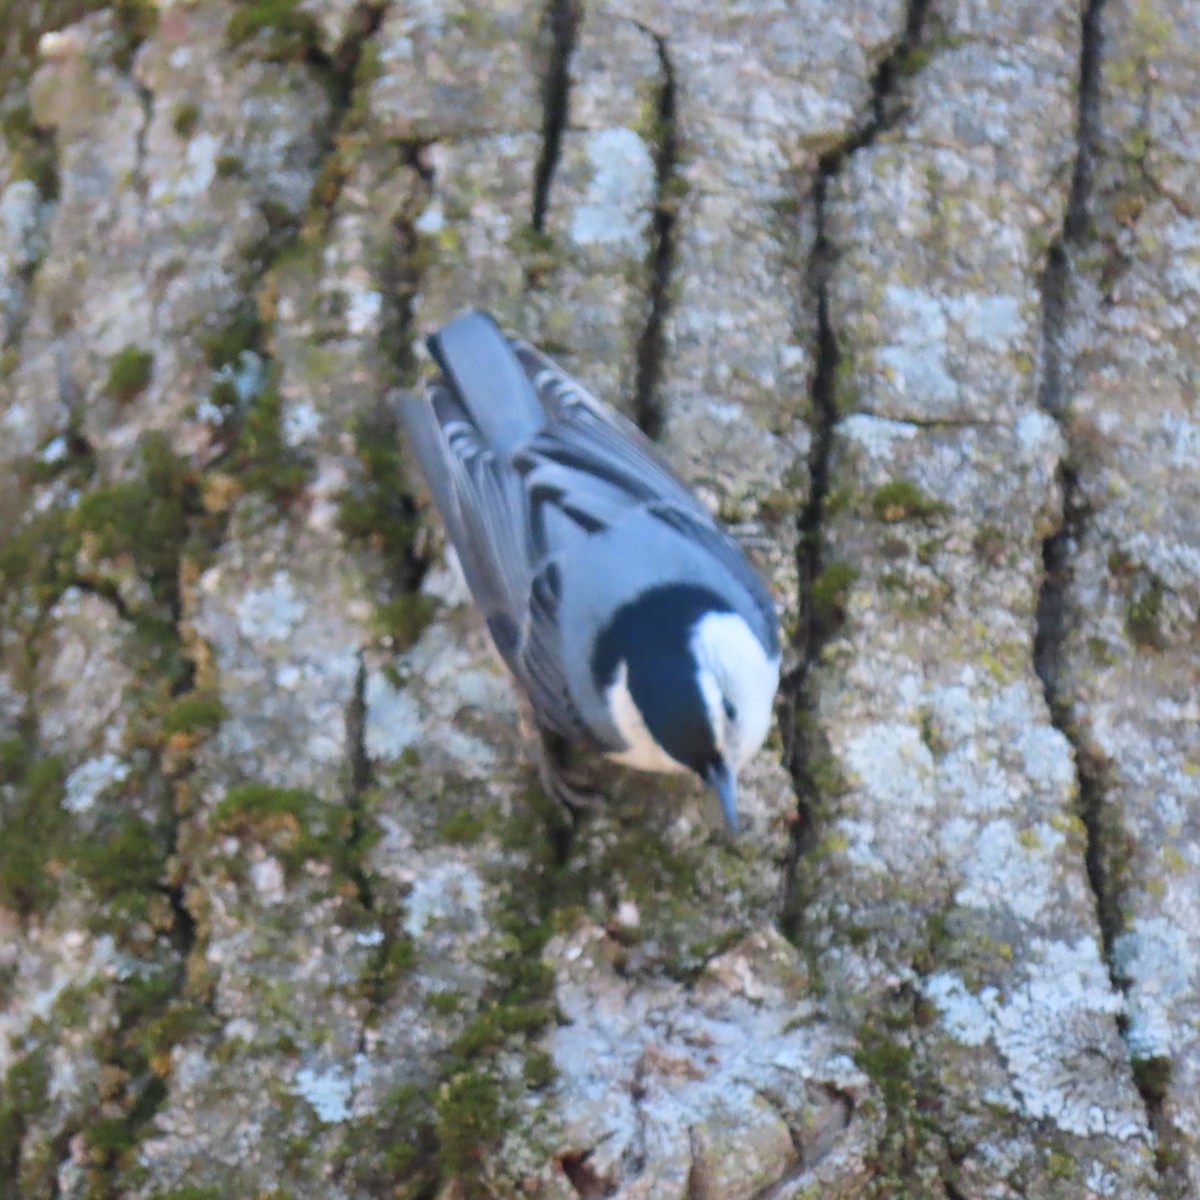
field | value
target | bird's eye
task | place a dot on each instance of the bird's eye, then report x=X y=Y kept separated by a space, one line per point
x=730 y=709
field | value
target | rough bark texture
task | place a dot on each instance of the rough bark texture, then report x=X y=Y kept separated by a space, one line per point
x=909 y=294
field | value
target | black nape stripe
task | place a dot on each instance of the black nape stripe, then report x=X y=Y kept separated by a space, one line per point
x=661 y=617
x=651 y=636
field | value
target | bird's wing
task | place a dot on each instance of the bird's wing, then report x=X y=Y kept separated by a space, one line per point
x=482 y=503
x=599 y=464
x=489 y=512
x=616 y=445
x=514 y=515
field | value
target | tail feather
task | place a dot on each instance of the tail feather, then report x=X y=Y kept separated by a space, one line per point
x=480 y=365
x=424 y=433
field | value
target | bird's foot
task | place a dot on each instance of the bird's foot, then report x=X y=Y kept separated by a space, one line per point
x=570 y=796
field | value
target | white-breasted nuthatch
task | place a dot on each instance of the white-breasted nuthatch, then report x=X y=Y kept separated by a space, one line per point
x=628 y=618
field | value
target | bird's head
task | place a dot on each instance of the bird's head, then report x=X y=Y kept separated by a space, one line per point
x=689 y=686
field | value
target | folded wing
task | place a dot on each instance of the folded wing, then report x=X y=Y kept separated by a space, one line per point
x=519 y=493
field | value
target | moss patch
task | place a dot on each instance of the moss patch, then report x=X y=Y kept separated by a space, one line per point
x=829 y=593
x=24 y=1096
x=37 y=562
x=125 y=864
x=244 y=330
x=129 y=372
x=145 y=520
x=1144 y=613
x=36 y=828
x=378 y=507
x=195 y=714
x=296 y=825
x=903 y=500
x=443 y=1130
x=281 y=30
x=378 y=510
x=185 y=116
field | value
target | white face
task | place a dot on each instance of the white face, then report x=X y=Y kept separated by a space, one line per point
x=738 y=681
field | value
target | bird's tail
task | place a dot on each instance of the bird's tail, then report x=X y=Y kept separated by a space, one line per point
x=488 y=380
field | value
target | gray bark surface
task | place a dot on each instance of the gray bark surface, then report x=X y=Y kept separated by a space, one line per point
x=908 y=294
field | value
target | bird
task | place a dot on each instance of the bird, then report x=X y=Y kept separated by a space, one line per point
x=633 y=624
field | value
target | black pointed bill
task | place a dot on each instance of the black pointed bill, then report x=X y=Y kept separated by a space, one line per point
x=722 y=780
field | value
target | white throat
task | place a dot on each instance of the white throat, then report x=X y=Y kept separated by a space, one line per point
x=735 y=670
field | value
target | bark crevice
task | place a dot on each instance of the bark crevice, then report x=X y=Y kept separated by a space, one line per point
x=806 y=750
x=1098 y=809
x=651 y=346
x=561 y=21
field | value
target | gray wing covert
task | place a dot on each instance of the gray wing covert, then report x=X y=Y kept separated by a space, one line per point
x=514 y=517
x=606 y=440
x=609 y=453
x=486 y=507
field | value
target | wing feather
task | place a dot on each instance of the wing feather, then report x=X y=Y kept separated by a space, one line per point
x=612 y=442
x=514 y=511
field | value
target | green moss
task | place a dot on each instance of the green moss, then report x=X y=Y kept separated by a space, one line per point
x=24 y=1096
x=1101 y=653
x=296 y=824
x=367 y=70
x=428 y=1135
x=392 y=960
x=144 y=520
x=261 y=458
x=36 y=828
x=990 y=543
x=540 y=1071
x=469 y=1112
x=37 y=561
x=903 y=500
x=463 y=827
x=110 y=1137
x=1143 y=615
x=830 y=590
x=378 y=508
x=137 y=20
x=159 y=1031
x=912 y=59
x=404 y=618
x=185 y=116
x=134 y=1057
x=537 y=244
x=932 y=737
x=282 y=30
x=489 y=1031
x=30 y=154
x=196 y=713
x=243 y=330
x=409 y=1153
x=255 y=801
x=888 y=1064
x=129 y=371
x=1060 y=1165
x=191 y=1191
x=124 y=864
x=445 y=1004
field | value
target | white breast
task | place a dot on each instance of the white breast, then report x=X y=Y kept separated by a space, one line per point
x=643 y=752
